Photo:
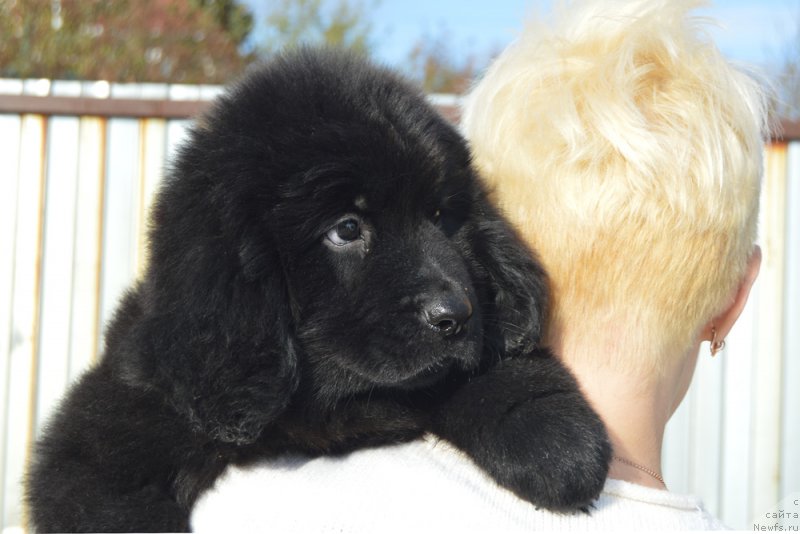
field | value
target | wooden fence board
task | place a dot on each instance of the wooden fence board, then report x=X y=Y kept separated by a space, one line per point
x=10 y=138
x=25 y=313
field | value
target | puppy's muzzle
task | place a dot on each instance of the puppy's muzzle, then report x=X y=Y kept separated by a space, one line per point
x=447 y=312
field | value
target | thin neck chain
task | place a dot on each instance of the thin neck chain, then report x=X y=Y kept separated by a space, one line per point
x=641 y=468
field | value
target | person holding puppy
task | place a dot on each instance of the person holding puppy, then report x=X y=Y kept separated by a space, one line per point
x=627 y=151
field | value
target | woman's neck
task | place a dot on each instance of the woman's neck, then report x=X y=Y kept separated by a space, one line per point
x=635 y=421
x=635 y=407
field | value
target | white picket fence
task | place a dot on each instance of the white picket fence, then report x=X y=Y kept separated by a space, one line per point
x=75 y=190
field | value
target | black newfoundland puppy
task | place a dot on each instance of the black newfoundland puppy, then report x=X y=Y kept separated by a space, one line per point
x=325 y=273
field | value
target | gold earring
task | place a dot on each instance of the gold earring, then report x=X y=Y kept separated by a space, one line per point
x=716 y=346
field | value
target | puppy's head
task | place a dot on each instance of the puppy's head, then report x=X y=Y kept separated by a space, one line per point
x=323 y=213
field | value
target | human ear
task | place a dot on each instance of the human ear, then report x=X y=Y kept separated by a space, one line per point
x=722 y=323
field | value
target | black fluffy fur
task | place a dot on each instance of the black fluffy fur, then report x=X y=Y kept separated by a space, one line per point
x=253 y=334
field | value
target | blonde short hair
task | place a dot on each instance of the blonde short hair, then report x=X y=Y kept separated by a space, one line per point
x=628 y=152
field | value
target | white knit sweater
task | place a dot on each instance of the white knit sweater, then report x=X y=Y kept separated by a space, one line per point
x=423 y=486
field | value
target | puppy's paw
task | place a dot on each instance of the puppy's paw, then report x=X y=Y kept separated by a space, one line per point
x=554 y=451
x=526 y=423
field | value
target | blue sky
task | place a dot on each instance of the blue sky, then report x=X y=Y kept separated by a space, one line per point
x=753 y=31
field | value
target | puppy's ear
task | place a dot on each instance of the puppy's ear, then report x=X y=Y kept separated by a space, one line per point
x=517 y=284
x=215 y=335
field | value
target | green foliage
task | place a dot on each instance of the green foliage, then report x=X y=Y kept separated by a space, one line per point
x=345 y=24
x=440 y=68
x=234 y=18
x=200 y=41
x=122 y=40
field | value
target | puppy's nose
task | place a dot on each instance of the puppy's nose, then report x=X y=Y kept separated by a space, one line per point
x=448 y=313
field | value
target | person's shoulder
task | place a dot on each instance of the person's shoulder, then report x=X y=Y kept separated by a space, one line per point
x=637 y=506
x=423 y=485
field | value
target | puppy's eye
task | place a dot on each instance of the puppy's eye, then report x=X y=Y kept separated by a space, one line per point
x=346 y=231
x=445 y=221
